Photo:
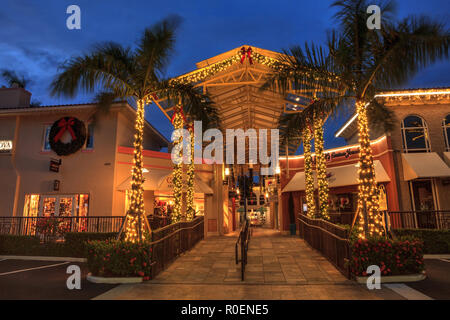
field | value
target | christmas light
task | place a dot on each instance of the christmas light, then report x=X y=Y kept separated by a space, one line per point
x=190 y=208
x=321 y=167
x=309 y=178
x=135 y=221
x=177 y=174
x=370 y=220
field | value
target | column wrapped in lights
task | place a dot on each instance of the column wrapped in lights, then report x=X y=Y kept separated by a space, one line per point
x=177 y=174
x=370 y=222
x=321 y=168
x=136 y=222
x=309 y=178
x=190 y=208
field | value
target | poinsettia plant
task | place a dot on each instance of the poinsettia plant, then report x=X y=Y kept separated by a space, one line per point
x=51 y=227
x=115 y=258
x=394 y=257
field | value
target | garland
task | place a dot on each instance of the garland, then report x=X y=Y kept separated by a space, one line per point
x=77 y=131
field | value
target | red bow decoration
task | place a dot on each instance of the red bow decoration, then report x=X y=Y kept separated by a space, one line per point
x=247 y=53
x=178 y=110
x=65 y=125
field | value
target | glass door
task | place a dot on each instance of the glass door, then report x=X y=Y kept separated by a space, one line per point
x=48 y=206
x=424 y=203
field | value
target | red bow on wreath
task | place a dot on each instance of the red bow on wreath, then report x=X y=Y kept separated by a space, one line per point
x=176 y=111
x=247 y=53
x=65 y=125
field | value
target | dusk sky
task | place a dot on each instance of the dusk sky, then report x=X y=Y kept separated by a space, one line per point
x=34 y=39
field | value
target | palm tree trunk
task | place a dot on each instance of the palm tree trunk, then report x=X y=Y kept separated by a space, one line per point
x=136 y=222
x=309 y=178
x=321 y=167
x=190 y=208
x=370 y=220
x=177 y=174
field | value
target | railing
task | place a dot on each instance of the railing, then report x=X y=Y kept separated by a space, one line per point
x=420 y=219
x=170 y=241
x=27 y=225
x=405 y=219
x=328 y=239
x=243 y=241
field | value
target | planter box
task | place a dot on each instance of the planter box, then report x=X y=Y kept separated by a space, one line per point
x=113 y=280
x=396 y=279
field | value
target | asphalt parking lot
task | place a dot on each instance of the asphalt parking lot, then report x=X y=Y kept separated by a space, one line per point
x=44 y=280
x=437 y=283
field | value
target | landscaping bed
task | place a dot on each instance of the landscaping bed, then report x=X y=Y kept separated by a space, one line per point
x=73 y=246
x=434 y=241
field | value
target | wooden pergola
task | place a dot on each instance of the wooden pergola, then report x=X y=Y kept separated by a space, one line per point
x=233 y=80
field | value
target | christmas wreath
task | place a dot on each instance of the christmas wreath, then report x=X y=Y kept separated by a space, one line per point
x=77 y=131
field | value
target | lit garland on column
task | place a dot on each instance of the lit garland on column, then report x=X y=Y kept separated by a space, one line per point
x=321 y=167
x=177 y=174
x=190 y=208
x=136 y=221
x=309 y=178
x=370 y=220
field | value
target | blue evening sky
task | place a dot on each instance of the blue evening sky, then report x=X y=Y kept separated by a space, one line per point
x=34 y=38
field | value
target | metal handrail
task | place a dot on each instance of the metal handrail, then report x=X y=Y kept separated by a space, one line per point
x=243 y=240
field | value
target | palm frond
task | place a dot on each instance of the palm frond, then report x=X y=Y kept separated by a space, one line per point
x=110 y=66
x=12 y=78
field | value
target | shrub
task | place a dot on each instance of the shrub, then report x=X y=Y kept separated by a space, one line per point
x=13 y=244
x=119 y=259
x=394 y=257
x=51 y=228
x=434 y=241
x=76 y=241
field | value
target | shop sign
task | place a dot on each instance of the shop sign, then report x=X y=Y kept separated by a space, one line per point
x=56 y=184
x=54 y=165
x=6 y=146
x=347 y=153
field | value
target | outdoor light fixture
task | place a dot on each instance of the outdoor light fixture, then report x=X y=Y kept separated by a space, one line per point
x=227 y=172
x=278 y=170
x=145 y=170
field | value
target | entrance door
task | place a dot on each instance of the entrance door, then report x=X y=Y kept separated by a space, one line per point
x=58 y=206
x=423 y=199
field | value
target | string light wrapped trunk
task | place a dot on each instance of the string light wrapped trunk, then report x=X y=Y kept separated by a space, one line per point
x=190 y=208
x=370 y=222
x=309 y=178
x=136 y=224
x=177 y=174
x=321 y=167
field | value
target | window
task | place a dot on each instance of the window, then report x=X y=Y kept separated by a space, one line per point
x=90 y=137
x=446 y=128
x=46 y=143
x=415 y=135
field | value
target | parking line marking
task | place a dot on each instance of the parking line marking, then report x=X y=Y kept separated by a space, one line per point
x=444 y=260
x=3 y=259
x=30 y=269
x=407 y=292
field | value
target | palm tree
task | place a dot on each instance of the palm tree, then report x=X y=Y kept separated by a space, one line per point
x=134 y=74
x=304 y=71
x=294 y=127
x=205 y=112
x=13 y=79
x=364 y=61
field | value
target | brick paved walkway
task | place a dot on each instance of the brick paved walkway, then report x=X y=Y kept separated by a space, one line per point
x=279 y=267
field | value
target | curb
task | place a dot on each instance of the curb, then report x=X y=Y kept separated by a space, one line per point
x=395 y=279
x=40 y=258
x=113 y=280
x=436 y=256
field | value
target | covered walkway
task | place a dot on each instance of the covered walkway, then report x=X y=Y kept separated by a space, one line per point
x=279 y=267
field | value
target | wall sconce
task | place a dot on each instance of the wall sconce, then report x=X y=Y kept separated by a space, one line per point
x=227 y=174
x=278 y=170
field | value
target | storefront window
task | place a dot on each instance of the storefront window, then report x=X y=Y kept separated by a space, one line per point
x=31 y=207
x=342 y=202
x=46 y=143
x=446 y=128
x=422 y=195
x=415 y=135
